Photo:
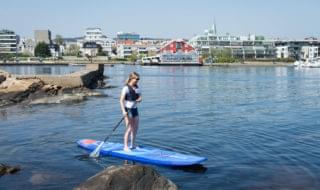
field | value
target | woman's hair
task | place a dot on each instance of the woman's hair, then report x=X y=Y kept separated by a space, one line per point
x=132 y=76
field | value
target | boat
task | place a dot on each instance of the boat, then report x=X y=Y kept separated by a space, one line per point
x=311 y=63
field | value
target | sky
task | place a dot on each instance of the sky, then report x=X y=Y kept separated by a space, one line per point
x=293 y=19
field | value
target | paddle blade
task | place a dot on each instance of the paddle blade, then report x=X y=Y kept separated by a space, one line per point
x=96 y=151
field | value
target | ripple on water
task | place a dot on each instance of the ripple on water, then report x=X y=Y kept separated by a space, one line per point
x=257 y=126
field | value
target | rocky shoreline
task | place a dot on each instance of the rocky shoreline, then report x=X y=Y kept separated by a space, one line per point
x=47 y=89
x=36 y=89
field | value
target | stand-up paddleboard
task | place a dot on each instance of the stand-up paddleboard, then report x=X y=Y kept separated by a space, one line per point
x=148 y=155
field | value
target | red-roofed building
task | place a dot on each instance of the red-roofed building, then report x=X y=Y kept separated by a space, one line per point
x=179 y=52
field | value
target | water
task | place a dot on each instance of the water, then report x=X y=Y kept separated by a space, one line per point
x=41 y=69
x=258 y=127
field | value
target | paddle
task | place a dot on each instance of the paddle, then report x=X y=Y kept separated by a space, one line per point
x=96 y=151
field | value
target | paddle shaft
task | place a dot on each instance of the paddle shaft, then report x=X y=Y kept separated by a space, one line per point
x=105 y=140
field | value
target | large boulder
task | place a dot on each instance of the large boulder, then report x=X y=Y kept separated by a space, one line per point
x=13 y=90
x=135 y=177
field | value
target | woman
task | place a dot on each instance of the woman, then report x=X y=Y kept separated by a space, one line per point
x=130 y=96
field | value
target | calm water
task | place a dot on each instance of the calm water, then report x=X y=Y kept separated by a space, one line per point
x=259 y=127
x=41 y=69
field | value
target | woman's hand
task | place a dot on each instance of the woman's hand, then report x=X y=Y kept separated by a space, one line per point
x=139 y=99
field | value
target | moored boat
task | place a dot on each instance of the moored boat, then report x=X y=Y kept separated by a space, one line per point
x=312 y=63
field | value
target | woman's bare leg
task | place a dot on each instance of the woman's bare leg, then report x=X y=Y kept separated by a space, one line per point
x=126 y=134
x=134 y=131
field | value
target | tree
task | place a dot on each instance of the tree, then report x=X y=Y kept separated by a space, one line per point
x=59 y=40
x=133 y=57
x=73 y=50
x=6 y=56
x=42 y=50
x=222 y=55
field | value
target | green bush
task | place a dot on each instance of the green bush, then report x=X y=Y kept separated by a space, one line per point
x=42 y=50
x=7 y=57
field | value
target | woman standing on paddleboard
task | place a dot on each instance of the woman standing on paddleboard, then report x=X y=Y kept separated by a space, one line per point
x=130 y=96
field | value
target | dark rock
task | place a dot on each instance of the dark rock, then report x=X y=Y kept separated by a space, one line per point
x=2 y=78
x=135 y=177
x=4 y=169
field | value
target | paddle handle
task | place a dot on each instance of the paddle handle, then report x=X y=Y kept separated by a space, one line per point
x=115 y=127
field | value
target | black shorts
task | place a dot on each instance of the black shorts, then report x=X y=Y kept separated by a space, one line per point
x=132 y=112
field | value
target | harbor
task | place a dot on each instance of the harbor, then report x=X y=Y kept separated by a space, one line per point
x=150 y=95
x=240 y=117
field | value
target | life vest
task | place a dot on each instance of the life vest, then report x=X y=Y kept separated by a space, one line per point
x=132 y=95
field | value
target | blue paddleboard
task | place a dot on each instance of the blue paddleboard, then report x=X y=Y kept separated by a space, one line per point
x=148 y=155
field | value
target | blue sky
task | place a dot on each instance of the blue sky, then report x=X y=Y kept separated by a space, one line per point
x=163 y=18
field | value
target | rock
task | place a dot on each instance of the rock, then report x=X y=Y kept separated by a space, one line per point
x=51 y=89
x=128 y=177
x=4 y=169
x=15 y=91
x=40 y=89
x=2 y=78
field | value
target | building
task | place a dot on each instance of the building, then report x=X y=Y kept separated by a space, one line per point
x=27 y=46
x=297 y=49
x=242 y=47
x=96 y=35
x=175 y=52
x=309 y=52
x=89 y=49
x=178 y=52
x=55 y=50
x=282 y=52
x=42 y=36
x=71 y=46
x=127 y=38
x=8 y=42
x=124 y=51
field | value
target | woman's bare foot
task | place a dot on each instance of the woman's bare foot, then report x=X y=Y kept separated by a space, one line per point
x=126 y=149
x=134 y=146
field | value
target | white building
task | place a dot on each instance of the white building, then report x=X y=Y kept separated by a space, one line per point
x=89 y=49
x=282 y=52
x=8 y=42
x=95 y=35
x=124 y=51
x=26 y=46
x=309 y=52
x=250 y=46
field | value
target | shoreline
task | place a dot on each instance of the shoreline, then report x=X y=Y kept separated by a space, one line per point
x=251 y=63
x=61 y=62
x=112 y=62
